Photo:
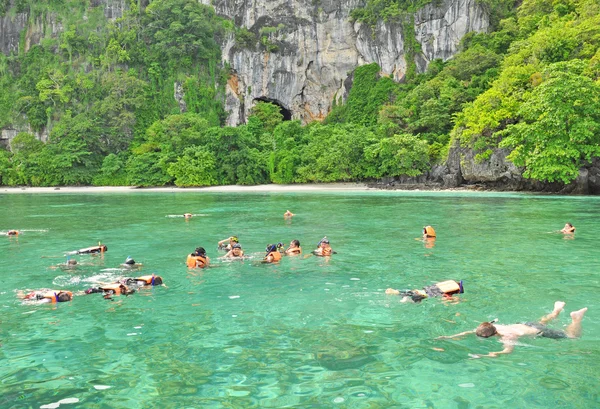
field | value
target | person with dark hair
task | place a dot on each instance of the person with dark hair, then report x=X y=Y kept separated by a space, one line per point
x=273 y=255
x=323 y=248
x=12 y=233
x=198 y=258
x=568 y=229
x=294 y=248
x=130 y=263
x=100 y=248
x=147 y=280
x=111 y=289
x=235 y=252
x=445 y=289
x=509 y=334
x=46 y=296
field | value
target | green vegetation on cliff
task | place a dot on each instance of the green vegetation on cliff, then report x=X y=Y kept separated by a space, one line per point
x=105 y=94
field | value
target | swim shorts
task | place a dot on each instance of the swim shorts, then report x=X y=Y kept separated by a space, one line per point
x=547 y=332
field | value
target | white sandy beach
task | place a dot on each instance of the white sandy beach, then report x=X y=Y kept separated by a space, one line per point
x=231 y=188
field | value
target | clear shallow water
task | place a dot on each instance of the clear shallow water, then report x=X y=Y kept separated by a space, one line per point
x=308 y=332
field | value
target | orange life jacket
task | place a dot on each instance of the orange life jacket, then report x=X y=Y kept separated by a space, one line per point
x=148 y=280
x=275 y=255
x=428 y=231
x=114 y=287
x=196 y=261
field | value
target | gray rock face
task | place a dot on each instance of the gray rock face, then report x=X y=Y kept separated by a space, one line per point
x=307 y=50
x=10 y=32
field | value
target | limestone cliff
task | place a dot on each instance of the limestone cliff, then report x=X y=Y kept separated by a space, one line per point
x=308 y=50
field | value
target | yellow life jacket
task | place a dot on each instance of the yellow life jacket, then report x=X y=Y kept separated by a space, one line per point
x=428 y=231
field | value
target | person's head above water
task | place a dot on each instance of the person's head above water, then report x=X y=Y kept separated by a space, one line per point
x=295 y=243
x=271 y=248
x=129 y=261
x=63 y=297
x=200 y=252
x=486 y=330
x=71 y=262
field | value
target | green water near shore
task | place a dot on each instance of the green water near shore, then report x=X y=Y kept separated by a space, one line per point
x=308 y=332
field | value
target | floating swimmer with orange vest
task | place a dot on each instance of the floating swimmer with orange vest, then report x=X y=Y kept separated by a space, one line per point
x=46 y=296
x=445 y=289
x=111 y=289
x=198 y=259
x=99 y=249
x=324 y=248
x=143 y=281
x=13 y=233
x=273 y=254
x=294 y=249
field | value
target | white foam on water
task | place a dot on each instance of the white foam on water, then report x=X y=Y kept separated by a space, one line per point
x=138 y=327
x=68 y=400
x=233 y=297
x=132 y=333
x=355 y=279
x=50 y=406
x=339 y=399
x=101 y=387
x=467 y=385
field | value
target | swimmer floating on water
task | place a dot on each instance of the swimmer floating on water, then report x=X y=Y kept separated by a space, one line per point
x=323 y=248
x=294 y=248
x=235 y=252
x=12 y=233
x=100 y=248
x=509 y=334
x=131 y=264
x=445 y=289
x=198 y=258
x=46 y=296
x=273 y=255
x=568 y=229
x=288 y=214
x=111 y=289
x=226 y=244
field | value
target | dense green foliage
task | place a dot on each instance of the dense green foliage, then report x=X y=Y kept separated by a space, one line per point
x=104 y=93
x=544 y=104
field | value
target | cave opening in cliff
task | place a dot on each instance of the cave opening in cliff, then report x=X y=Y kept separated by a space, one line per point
x=287 y=114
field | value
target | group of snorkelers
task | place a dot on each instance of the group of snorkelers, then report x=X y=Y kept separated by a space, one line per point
x=274 y=252
x=447 y=290
x=124 y=286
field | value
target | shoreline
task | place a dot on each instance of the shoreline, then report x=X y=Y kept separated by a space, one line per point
x=316 y=187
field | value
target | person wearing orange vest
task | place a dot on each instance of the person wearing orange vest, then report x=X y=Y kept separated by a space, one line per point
x=273 y=254
x=111 y=289
x=48 y=296
x=323 y=248
x=12 y=233
x=294 y=248
x=150 y=280
x=445 y=289
x=198 y=258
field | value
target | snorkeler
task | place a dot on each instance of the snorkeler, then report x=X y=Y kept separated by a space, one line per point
x=509 y=334
x=235 y=252
x=198 y=258
x=443 y=289
x=227 y=243
x=70 y=264
x=100 y=248
x=568 y=229
x=147 y=280
x=187 y=215
x=12 y=233
x=273 y=255
x=131 y=264
x=46 y=296
x=288 y=214
x=294 y=248
x=111 y=289
x=323 y=248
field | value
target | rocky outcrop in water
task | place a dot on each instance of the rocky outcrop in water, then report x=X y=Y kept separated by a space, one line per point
x=462 y=170
x=308 y=50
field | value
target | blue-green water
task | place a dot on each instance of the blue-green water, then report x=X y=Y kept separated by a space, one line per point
x=309 y=332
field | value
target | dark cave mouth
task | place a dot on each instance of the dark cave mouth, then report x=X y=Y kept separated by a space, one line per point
x=286 y=113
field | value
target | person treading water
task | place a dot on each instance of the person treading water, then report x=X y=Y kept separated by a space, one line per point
x=445 y=289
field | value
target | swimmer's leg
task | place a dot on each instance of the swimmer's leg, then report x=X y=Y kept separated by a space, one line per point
x=558 y=307
x=573 y=330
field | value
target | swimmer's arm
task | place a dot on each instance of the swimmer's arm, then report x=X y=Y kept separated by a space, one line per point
x=462 y=334
x=392 y=291
x=508 y=348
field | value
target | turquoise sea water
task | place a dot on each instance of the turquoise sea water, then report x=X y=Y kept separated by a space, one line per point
x=309 y=332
